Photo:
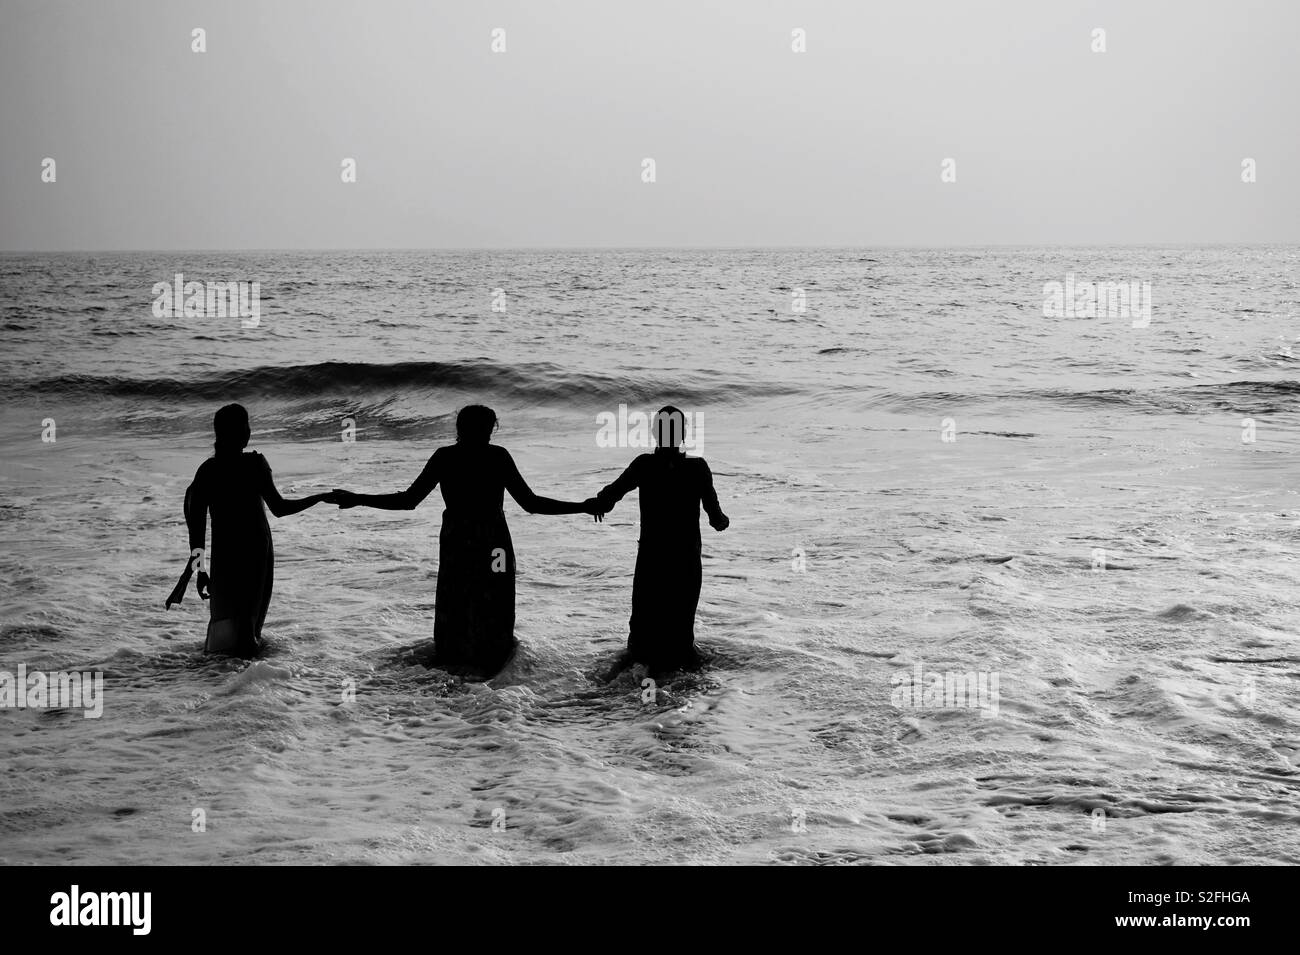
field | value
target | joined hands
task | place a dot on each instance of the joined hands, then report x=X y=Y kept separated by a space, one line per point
x=344 y=499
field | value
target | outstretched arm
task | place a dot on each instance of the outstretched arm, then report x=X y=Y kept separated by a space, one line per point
x=709 y=499
x=623 y=485
x=278 y=505
x=406 y=500
x=535 y=503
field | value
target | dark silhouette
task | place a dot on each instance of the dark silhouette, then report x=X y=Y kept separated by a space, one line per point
x=232 y=485
x=474 y=617
x=666 y=588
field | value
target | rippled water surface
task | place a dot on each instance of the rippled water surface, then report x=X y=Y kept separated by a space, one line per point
x=1098 y=536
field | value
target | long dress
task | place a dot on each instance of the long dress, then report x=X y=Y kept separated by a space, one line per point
x=241 y=560
x=474 y=620
x=666 y=586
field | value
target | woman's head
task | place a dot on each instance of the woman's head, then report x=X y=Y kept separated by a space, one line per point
x=670 y=428
x=475 y=424
x=231 y=426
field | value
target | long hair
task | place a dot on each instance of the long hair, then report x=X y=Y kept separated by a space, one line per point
x=231 y=426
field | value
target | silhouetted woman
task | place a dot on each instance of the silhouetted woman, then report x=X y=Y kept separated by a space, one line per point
x=232 y=485
x=666 y=588
x=474 y=618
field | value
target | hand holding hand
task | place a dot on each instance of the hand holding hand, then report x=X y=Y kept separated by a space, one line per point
x=593 y=507
x=344 y=499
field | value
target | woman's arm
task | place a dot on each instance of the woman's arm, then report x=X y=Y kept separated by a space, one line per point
x=535 y=503
x=709 y=498
x=278 y=505
x=196 y=520
x=623 y=485
x=397 y=501
x=196 y=515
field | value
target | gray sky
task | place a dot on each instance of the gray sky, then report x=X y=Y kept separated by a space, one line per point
x=240 y=147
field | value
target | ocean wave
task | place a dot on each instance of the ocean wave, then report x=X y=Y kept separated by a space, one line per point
x=539 y=382
x=373 y=385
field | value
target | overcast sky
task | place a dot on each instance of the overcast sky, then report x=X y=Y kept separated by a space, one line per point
x=158 y=147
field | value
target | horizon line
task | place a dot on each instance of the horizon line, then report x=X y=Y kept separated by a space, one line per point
x=662 y=248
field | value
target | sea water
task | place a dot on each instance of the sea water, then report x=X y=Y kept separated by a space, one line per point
x=1083 y=525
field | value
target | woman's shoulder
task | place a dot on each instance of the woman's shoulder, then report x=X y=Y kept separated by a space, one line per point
x=463 y=456
x=254 y=460
x=253 y=465
x=446 y=455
